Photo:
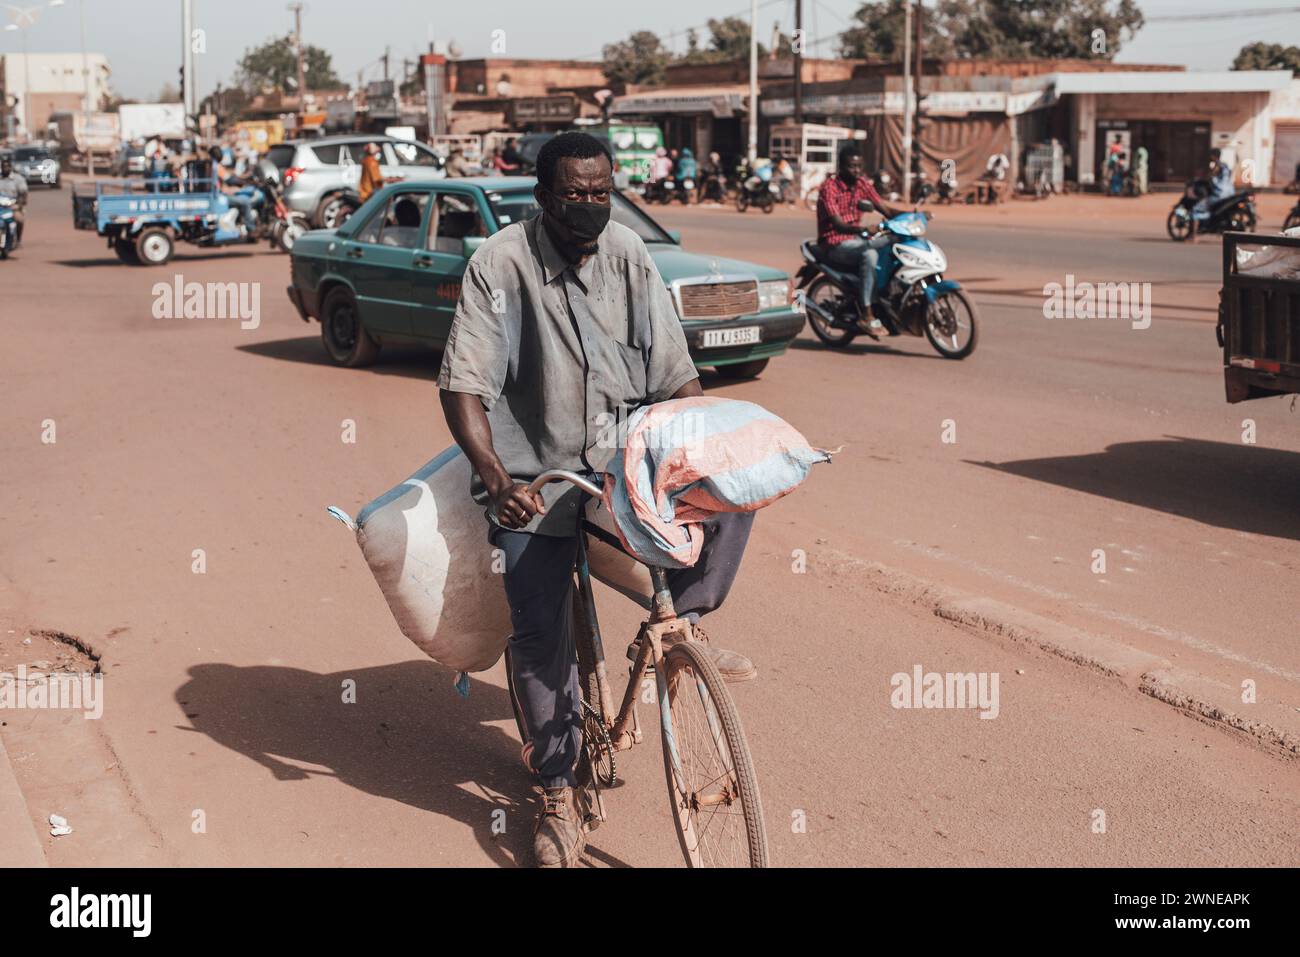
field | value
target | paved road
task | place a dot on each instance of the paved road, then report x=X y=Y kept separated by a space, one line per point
x=224 y=688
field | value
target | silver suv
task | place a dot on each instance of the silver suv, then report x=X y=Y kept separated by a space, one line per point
x=318 y=173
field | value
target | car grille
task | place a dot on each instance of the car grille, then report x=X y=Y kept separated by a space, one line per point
x=718 y=300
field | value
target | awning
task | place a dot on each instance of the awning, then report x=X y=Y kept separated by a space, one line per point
x=719 y=101
x=1173 y=81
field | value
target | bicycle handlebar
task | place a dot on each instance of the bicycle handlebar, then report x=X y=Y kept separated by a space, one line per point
x=561 y=475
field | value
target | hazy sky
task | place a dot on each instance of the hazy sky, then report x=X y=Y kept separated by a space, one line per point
x=142 y=37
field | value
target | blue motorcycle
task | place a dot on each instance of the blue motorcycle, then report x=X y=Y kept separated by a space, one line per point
x=8 y=226
x=911 y=295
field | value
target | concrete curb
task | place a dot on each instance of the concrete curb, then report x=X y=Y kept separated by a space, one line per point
x=22 y=846
x=1276 y=728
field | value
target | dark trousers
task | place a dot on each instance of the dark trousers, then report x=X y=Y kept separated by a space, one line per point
x=543 y=661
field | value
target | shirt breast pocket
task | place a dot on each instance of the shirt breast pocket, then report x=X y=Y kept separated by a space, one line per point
x=632 y=363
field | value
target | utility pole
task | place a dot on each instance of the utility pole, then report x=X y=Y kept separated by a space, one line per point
x=917 y=60
x=753 y=80
x=907 y=100
x=188 y=100
x=386 y=54
x=798 y=61
x=297 y=45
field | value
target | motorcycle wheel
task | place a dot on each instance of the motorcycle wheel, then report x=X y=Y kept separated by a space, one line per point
x=1241 y=222
x=742 y=202
x=1178 y=227
x=154 y=246
x=769 y=203
x=830 y=297
x=287 y=234
x=1293 y=220
x=946 y=318
x=810 y=200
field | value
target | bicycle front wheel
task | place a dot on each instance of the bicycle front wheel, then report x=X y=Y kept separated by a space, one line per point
x=711 y=779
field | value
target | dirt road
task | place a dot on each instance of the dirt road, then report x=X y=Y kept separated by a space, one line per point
x=225 y=739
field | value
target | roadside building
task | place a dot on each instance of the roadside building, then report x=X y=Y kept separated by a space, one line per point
x=705 y=106
x=59 y=82
x=1076 y=110
x=484 y=95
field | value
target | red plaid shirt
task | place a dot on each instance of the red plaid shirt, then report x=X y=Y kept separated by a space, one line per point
x=838 y=198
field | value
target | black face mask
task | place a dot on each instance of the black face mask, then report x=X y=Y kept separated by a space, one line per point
x=586 y=221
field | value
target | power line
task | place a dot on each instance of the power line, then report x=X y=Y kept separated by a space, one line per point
x=1226 y=15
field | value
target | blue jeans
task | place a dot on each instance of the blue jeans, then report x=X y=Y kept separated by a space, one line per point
x=859 y=256
x=245 y=207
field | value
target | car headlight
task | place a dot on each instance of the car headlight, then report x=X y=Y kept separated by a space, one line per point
x=774 y=294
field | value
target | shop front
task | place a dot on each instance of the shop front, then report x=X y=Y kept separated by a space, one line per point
x=704 y=118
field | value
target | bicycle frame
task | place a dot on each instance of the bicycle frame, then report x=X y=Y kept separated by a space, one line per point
x=624 y=728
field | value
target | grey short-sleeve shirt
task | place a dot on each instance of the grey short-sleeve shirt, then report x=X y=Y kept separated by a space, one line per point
x=560 y=355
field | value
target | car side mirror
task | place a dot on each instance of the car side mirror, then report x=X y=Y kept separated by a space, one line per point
x=866 y=205
x=675 y=235
x=469 y=244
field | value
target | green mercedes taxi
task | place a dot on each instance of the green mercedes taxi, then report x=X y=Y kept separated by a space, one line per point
x=391 y=274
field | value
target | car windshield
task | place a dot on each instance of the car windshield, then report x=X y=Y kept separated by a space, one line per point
x=514 y=206
x=29 y=154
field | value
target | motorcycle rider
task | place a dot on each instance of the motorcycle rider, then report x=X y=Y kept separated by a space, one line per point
x=711 y=173
x=784 y=173
x=14 y=185
x=222 y=177
x=1217 y=187
x=839 y=229
x=686 y=168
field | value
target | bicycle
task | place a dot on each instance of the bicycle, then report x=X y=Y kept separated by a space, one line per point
x=712 y=786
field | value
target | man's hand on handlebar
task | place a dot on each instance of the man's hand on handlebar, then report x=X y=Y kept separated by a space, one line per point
x=514 y=506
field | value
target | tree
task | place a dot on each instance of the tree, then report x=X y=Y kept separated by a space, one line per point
x=999 y=29
x=1267 y=56
x=640 y=59
x=728 y=41
x=169 y=94
x=274 y=66
x=879 y=33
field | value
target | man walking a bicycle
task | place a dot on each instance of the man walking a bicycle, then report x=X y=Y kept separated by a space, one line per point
x=563 y=326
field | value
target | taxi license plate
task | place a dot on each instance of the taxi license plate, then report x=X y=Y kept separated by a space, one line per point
x=730 y=337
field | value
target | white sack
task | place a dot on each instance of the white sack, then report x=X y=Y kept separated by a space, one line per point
x=426 y=543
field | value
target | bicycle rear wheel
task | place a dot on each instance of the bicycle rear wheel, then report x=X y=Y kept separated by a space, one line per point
x=711 y=781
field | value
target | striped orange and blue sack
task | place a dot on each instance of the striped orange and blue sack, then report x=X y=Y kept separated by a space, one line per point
x=685 y=460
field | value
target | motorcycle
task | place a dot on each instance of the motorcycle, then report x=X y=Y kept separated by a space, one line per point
x=1292 y=218
x=1235 y=213
x=283 y=227
x=884 y=184
x=714 y=189
x=659 y=191
x=912 y=297
x=758 y=190
x=8 y=226
x=680 y=189
x=922 y=189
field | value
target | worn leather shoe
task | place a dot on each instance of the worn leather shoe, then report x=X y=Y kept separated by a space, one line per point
x=561 y=833
x=732 y=665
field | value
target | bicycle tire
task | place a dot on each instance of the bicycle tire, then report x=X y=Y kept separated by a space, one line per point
x=680 y=658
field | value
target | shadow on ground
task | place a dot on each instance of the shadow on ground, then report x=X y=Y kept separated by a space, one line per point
x=409 y=737
x=109 y=259
x=414 y=361
x=404 y=360
x=1245 y=488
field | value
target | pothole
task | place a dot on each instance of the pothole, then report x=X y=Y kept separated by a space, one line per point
x=48 y=650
